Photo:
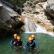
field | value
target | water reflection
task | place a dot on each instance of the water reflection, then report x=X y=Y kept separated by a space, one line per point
x=17 y=50
x=23 y=51
x=31 y=51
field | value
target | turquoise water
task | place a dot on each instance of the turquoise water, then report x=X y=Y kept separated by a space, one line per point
x=46 y=45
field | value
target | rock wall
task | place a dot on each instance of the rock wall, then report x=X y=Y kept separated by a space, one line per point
x=9 y=19
x=37 y=12
x=50 y=7
x=50 y=2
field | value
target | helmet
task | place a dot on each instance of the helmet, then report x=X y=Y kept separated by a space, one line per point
x=30 y=38
x=33 y=37
x=18 y=37
x=15 y=35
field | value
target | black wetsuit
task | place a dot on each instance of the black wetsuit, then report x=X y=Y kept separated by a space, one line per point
x=14 y=42
x=18 y=43
x=31 y=45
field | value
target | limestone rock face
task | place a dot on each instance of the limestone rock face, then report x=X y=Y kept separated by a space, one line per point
x=36 y=11
x=50 y=2
x=39 y=0
x=50 y=7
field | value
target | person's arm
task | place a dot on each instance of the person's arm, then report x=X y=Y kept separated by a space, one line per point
x=10 y=44
x=25 y=46
x=37 y=44
x=21 y=44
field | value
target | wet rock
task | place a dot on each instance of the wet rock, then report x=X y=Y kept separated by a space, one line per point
x=9 y=19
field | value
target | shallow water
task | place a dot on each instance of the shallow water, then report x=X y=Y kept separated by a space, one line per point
x=46 y=45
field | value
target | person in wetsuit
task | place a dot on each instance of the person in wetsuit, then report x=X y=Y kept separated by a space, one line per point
x=14 y=40
x=18 y=45
x=30 y=44
x=18 y=42
x=34 y=38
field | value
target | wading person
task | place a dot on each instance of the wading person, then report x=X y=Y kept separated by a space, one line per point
x=32 y=44
x=14 y=40
x=18 y=45
x=19 y=42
